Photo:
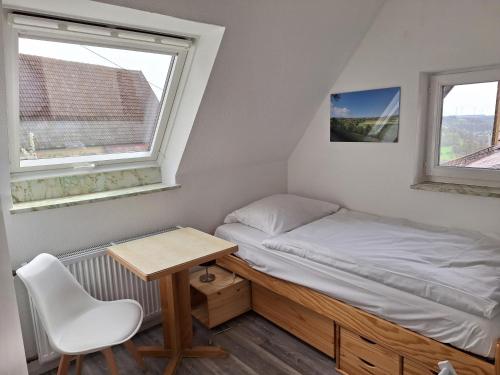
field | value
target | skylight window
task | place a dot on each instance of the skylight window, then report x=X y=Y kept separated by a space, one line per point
x=82 y=100
x=90 y=95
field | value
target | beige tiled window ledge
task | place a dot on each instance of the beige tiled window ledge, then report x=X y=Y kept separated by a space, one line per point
x=88 y=198
x=481 y=191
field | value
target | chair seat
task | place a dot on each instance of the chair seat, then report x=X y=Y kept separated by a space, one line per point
x=105 y=325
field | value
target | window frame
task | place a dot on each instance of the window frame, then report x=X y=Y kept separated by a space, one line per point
x=180 y=49
x=434 y=171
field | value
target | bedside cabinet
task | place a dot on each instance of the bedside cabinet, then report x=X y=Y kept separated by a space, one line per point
x=218 y=301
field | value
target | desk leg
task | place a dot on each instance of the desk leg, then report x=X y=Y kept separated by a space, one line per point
x=170 y=310
x=177 y=325
x=169 y=315
x=186 y=323
x=184 y=302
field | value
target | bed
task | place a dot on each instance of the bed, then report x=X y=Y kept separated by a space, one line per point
x=434 y=321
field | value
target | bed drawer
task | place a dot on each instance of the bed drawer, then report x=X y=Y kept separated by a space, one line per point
x=361 y=356
x=313 y=328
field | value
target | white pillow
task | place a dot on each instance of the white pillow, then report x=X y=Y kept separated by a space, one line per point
x=281 y=212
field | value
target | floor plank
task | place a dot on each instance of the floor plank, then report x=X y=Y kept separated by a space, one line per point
x=257 y=347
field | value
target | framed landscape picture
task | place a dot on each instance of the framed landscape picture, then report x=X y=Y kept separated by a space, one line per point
x=365 y=116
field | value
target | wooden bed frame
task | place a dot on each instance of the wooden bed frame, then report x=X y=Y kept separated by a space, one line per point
x=418 y=355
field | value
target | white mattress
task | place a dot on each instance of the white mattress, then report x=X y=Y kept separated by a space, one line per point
x=461 y=329
x=457 y=268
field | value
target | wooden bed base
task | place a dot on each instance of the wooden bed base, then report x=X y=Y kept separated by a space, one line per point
x=418 y=355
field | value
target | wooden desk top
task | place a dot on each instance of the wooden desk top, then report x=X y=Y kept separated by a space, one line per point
x=155 y=256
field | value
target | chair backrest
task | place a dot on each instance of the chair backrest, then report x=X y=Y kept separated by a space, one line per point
x=56 y=294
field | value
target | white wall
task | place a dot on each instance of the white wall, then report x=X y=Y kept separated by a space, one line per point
x=407 y=38
x=266 y=84
x=276 y=61
x=12 y=359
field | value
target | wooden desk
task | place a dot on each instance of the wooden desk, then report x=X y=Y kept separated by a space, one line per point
x=167 y=257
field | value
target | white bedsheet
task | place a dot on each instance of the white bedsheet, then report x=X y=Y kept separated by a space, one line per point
x=448 y=325
x=454 y=268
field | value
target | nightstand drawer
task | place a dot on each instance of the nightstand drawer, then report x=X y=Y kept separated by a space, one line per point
x=229 y=302
x=218 y=301
x=361 y=356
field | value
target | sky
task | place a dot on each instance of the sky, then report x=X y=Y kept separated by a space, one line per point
x=369 y=103
x=471 y=99
x=154 y=66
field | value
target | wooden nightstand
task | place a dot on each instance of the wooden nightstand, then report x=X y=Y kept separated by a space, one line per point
x=218 y=301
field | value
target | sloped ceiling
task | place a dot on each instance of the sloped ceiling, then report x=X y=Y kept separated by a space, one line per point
x=277 y=61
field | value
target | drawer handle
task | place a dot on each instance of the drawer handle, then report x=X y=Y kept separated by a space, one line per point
x=368 y=341
x=366 y=363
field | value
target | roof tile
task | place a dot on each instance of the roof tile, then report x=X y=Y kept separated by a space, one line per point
x=64 y=103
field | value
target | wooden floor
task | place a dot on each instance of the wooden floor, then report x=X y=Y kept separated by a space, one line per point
x=256 y=346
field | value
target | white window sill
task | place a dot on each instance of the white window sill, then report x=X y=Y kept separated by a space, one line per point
x=480 y=191
x=88 y=198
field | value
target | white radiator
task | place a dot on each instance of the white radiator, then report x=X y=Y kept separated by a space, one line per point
x=105 y=279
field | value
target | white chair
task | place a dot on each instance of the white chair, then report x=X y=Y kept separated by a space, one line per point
x=75 y=322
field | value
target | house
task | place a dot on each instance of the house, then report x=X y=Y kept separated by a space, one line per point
x=59 y=117
x=319 y=177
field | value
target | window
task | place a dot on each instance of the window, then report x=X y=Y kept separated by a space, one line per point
x=88 y=95
x=465 y=124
